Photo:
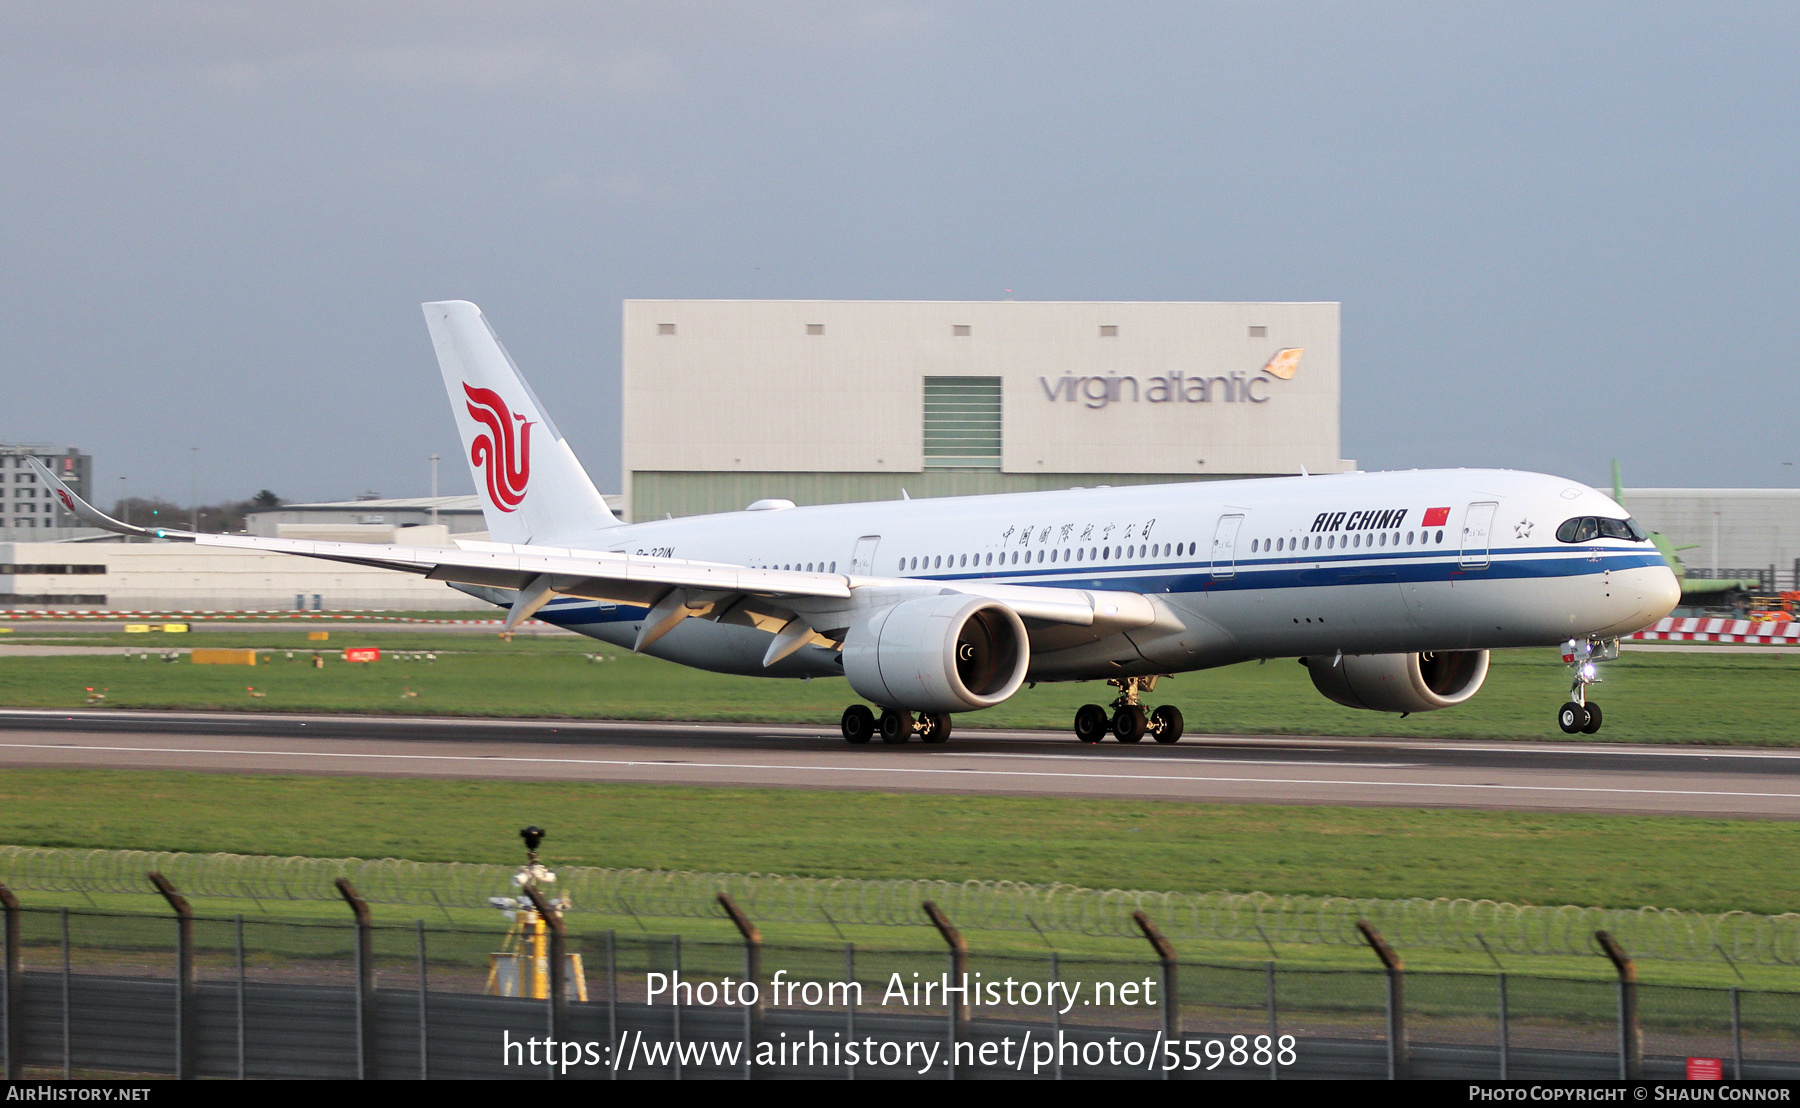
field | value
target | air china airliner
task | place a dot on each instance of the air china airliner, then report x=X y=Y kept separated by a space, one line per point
x=1390 y=588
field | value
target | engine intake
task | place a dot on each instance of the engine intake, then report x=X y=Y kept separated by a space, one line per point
x=949 y=653
x=1400 y=682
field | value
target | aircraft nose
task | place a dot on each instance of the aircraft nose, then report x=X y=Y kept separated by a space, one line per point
x=1659 y=593
x=1638 y=598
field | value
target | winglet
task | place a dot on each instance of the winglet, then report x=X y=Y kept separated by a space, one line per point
x=89 y=514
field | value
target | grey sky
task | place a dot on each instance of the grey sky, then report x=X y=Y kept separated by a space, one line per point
x=1560 y=231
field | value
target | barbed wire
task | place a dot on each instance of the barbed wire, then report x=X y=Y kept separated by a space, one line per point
x=1443 y=923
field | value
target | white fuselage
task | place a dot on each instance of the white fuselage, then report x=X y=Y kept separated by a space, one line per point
x=1372 y=563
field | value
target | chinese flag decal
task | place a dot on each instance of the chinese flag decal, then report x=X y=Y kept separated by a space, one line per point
x=1436 y=517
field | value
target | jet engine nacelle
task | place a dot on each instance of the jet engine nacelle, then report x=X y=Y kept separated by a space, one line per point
x=1400 y=682
x=948 y=653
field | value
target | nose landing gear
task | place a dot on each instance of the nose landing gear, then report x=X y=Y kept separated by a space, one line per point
x=1129 y=722
x=1580 y=715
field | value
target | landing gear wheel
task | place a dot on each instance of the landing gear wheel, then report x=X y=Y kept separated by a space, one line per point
x=858 y=724
x=1090 y=723
x=1166 y=724
x=896 y=727
x=1571 y=717
x=1593 y=719
x=937 y=727
x=1129 y=723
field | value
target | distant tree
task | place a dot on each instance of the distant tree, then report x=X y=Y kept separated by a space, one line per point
x=214 y=518
x=150 y=512
x=264 y=500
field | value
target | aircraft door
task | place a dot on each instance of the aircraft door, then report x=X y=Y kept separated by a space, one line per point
x=1224 y=546
x=862 y=562
x=1477 y=526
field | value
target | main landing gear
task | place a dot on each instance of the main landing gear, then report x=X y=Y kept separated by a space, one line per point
x=895 y=727
x=1129 y=722
x=1581 y=715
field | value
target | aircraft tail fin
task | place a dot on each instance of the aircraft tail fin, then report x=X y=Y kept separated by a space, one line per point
x=531 y=487
x=1618 y=489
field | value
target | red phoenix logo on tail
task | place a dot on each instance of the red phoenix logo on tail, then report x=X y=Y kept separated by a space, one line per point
x=503 y=452
x=68 y=501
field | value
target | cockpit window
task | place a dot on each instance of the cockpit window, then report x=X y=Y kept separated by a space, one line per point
x=1579 y=529
x=1587 y=528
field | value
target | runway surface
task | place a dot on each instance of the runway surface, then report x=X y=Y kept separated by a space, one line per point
x=1230 y=769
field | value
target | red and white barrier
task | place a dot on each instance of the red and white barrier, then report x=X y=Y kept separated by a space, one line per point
x=1700 y=629
x=262 y=616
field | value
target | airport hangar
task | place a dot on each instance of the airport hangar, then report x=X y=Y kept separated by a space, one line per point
x=730 y=402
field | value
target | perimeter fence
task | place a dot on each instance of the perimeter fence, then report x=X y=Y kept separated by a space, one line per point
x=89 y=992
x=1445 y=924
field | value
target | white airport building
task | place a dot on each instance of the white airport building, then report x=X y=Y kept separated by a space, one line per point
x=175 y=577
x=727 y=402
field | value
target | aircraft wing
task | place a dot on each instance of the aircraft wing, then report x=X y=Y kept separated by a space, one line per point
x=703 y=588
x=673 y=589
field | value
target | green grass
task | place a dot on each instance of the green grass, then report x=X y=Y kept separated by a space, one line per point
x=1615 y=861
x=1685 y=697
x=1611 y=861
